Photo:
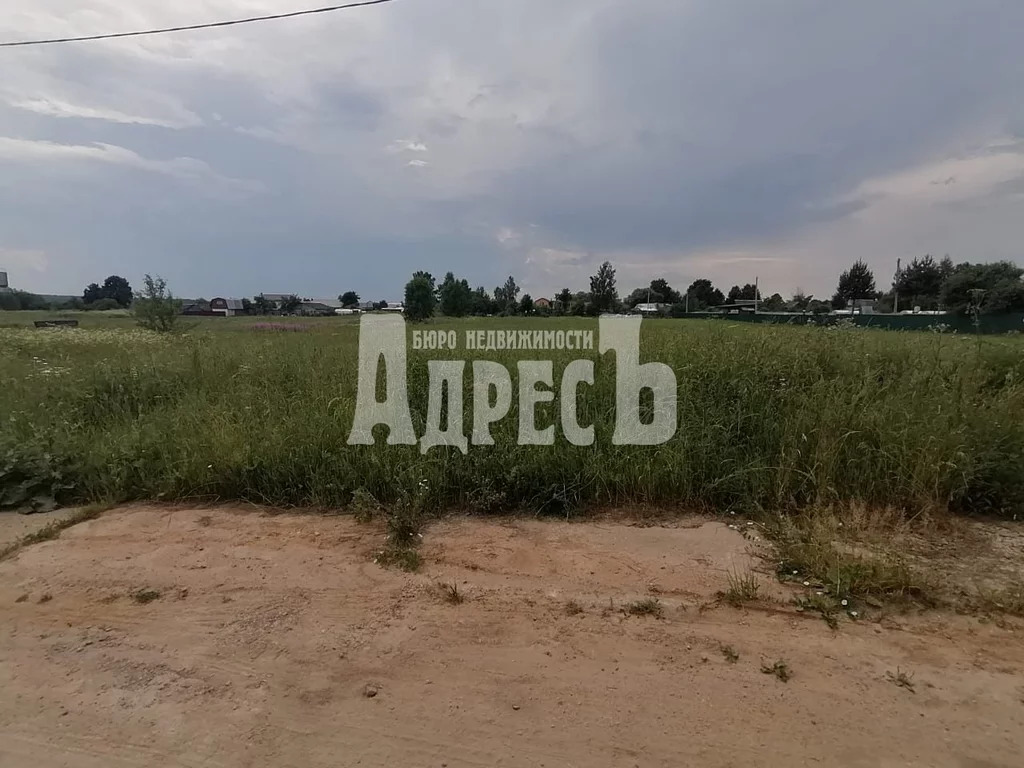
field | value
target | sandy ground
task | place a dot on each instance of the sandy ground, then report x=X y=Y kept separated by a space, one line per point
x=270 y=632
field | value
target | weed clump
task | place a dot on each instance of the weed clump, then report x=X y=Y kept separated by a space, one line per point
x=779 y=669
x=53 y=530
x=810 y=547
x=404 y=522
x=820 y=604
x=1007 y=599
x=452 y=594
x=364 y=506
x=573 y=608
x=649 y=606
x=743 y=588
x=901 y=679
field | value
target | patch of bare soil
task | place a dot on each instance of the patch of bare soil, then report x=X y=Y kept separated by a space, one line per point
x=212 y=637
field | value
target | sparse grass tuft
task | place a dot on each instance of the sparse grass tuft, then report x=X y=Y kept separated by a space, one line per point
x=144 y=596
x=817 y=546
x=53 y=530
x=452 y=594
x=779 y=669
x=649 y=606
x=1008 y=599
x=901 y=679
x=404 y=558
x=743 y=588
x=573 y=608
x=730 y=654
x=821 y=604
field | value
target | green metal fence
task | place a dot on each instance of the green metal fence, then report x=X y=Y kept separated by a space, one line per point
x=1003 y=323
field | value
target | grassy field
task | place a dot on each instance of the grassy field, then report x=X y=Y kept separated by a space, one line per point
x=770 y=419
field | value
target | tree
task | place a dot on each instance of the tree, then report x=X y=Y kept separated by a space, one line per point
x=922 y=277
x=703 y=295
x=920 y=282
x=430 y=279
x=774 y=303
x=564 y=298
x=419 y=297
x=986 y=288
x=858 y=282
x=505 y=295
x=638 y=296
x=262 y=305
x=155 y=308
x=455 y=296
x=747 y=293
x=480 y=302
x=579 y=307
x=602 y=288
x=526 y=305
x=289 y=304
x=117 y=288
x=92 y=293
x=662 y=293
x=349 y=299
x=800 y=301
x=246 y=306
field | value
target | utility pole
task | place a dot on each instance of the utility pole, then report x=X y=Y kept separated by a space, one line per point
x=895 y=290
x=756 y=294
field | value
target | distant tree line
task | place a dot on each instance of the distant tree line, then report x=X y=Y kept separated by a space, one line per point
x=12 y=301
x=115 y=293
x=962 y=289
x=925 y=283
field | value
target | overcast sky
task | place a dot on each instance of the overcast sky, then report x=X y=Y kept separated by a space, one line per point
x=676 y=138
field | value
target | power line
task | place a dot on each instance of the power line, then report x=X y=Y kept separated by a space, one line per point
x=208 y=25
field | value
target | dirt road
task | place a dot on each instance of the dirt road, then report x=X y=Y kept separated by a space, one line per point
x=276 y=641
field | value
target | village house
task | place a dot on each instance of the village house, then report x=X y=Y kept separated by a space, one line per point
x=227 y=307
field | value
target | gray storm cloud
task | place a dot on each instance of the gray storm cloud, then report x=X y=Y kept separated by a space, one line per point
x=534 y=138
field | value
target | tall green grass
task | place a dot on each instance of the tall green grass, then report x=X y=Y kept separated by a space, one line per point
x=770 y=418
